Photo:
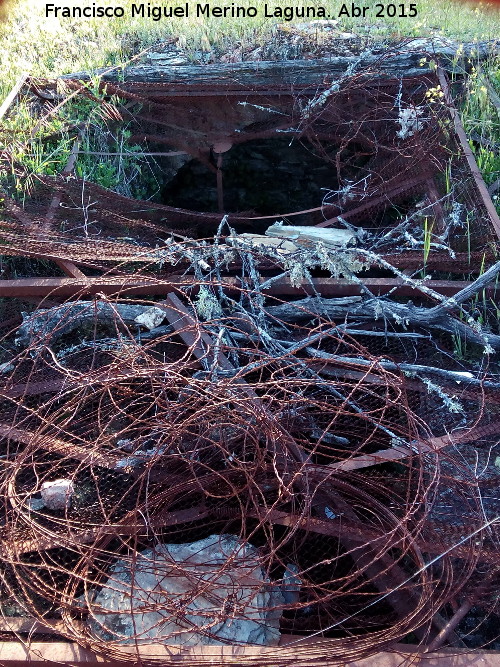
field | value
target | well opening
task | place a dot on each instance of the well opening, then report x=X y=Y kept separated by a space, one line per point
x=262 y=177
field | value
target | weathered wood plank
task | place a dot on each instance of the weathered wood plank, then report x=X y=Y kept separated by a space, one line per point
x=283 y=74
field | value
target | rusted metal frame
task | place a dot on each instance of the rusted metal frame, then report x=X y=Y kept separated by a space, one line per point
x=429 y=446
x=413 y=385
x=75 y=287
x=437 y=207
x=195 y=338
x=75 y=537
x=448 y=630
x=220 y=183
x=68 y=169
x=31 y=626
x=392 y=192
x=178 y=143
x=36 y=388
x=357 y=531
x=68 y=266
x=469 y=155
x=446 y=377
x=386 y=575
x=65 y=384
x=379 y=287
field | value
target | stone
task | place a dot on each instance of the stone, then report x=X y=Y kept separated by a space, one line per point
x=292 y=583
x=151 y=317
x=213 y=591
x=35 y=504
x=56 y=495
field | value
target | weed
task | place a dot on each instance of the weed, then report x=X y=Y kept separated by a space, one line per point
x=427 y=238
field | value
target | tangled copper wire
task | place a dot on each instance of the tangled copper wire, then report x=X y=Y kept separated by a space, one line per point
x=213 y=427
x=333 y=484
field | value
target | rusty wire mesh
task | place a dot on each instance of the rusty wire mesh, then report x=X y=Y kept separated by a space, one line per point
x=213 y=426
x=356 y=499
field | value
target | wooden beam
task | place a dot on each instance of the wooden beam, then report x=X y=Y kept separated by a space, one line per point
x=12 y=95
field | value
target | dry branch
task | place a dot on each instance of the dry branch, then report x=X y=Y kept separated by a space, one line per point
x=52 y=323
x=404 y=315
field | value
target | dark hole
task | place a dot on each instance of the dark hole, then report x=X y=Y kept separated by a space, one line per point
x=262 y=177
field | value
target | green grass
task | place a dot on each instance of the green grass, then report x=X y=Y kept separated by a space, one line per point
x=481 y=120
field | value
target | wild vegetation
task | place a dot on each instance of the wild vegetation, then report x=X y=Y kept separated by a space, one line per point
x=47 y=47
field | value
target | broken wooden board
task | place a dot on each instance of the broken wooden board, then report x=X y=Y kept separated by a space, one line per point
x=306 y=236
x=256 y=241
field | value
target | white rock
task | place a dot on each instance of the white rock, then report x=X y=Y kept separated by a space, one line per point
x=56 y=495
x=36 y=504
x=292 y=583
x=151 y=317
x=213 y=591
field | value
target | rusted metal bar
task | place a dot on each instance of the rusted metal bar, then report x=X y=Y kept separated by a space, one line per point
x=25 y=624
x=67 y=266
x=73 y=287
x=437 y=208
x=57 y=446
x=424 y=447
x=469 y=155
x=357 y=531
x=414 y=385
x=67 y=384
x=75 y=537
x=448 y=629
x=378 y=286
x=220 y=183
x=197 y=340
x=35 y=388
x=70 y=165
x=386 y=575
x=400 y=188
x=128 y=284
